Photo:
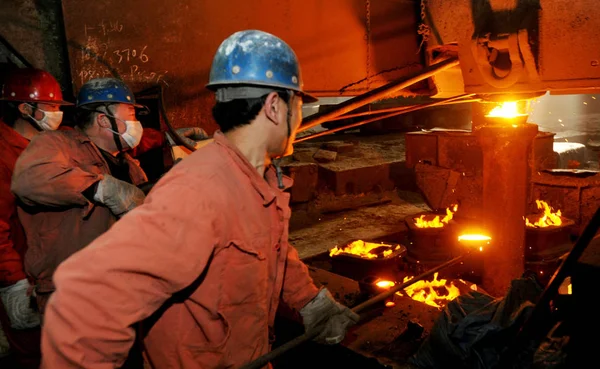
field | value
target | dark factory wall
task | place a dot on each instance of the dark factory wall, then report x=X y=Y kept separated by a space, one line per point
x=34 y=29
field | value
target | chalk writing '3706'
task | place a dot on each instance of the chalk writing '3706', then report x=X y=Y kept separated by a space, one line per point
x=131 y=54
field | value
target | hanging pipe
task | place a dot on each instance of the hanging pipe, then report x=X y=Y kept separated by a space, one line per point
x=163 y=112
x=396 y=109
x=378 y=93
x=370 y=120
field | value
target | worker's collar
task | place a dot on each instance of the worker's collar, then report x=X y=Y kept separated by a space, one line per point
x=267 y=187
x=81 y=136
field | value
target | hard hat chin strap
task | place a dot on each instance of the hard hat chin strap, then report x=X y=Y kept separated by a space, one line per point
x=287 y=140
x=30 y=117
x=113 y=125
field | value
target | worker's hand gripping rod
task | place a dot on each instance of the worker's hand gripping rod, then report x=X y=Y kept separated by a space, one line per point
x=266 y=358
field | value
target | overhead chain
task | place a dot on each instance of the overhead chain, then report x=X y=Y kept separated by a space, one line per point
x=368 y=39
x=423 y=29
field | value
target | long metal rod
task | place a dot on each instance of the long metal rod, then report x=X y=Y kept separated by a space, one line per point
x=268 y=357
x=159 y=90
x=378 y=93
x=532 y=328
x=385 y=116
x=14 y=51
x=396 y=109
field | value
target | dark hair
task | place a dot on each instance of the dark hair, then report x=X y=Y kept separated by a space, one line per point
x=86 y=116
x=10 y=112
x=239 y=112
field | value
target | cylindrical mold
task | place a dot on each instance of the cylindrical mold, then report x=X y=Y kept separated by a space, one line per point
x=506 y=147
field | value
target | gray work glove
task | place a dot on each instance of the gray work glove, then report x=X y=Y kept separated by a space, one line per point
x=326 y=315
x=17 y=304
x=191 y=135
x=119 y=196
x=4 y=345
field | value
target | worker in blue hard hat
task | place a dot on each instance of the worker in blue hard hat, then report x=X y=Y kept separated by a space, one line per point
x=102 y=94
x=209 y=247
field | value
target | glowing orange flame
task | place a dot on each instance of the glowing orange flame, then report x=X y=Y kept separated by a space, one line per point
x=390 y=304
x=431 y=292
x=474 y=240
x=506 y=110
x=363 y=249
x=474 y=237
x=548 y=219
x=385 y=284
x=420 y=222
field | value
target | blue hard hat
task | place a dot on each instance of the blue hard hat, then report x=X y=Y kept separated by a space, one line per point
x=105 y=90
x=256 y=58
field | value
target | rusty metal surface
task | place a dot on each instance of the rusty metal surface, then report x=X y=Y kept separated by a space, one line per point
x=505 y=181
x=421 y=147
x=437 y=184
x=357 y=180
x=460 y=151
x=543 y=155
x=345 y=47
x=305 y=176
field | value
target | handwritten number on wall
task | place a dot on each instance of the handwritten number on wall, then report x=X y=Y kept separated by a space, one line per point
x=131 y=54
x=100 y=56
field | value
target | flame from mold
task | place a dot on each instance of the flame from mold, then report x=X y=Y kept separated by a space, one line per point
x=435 y=293
x=364 y=249
x=436 y=222
x=548 y=219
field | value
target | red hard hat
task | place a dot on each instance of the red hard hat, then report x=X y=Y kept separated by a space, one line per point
x=32 y=85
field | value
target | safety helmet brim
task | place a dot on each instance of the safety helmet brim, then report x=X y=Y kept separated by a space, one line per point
x=49 y=102
x=306 y=98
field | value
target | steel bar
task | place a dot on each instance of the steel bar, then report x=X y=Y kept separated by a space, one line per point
x=378 y=93
x=268 y=357
x=396 y=109
x=385 y=116
x=14 y=51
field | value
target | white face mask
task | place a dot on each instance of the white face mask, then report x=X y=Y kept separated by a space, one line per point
x=50 y=121
x=133 y=132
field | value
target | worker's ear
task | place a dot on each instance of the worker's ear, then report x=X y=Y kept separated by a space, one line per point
x=103 y=120
x=273 y=107
x=25 y=109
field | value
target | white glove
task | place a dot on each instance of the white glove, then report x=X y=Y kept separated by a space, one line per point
x=18 y=305
x=326 y=314
x=119 y=196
